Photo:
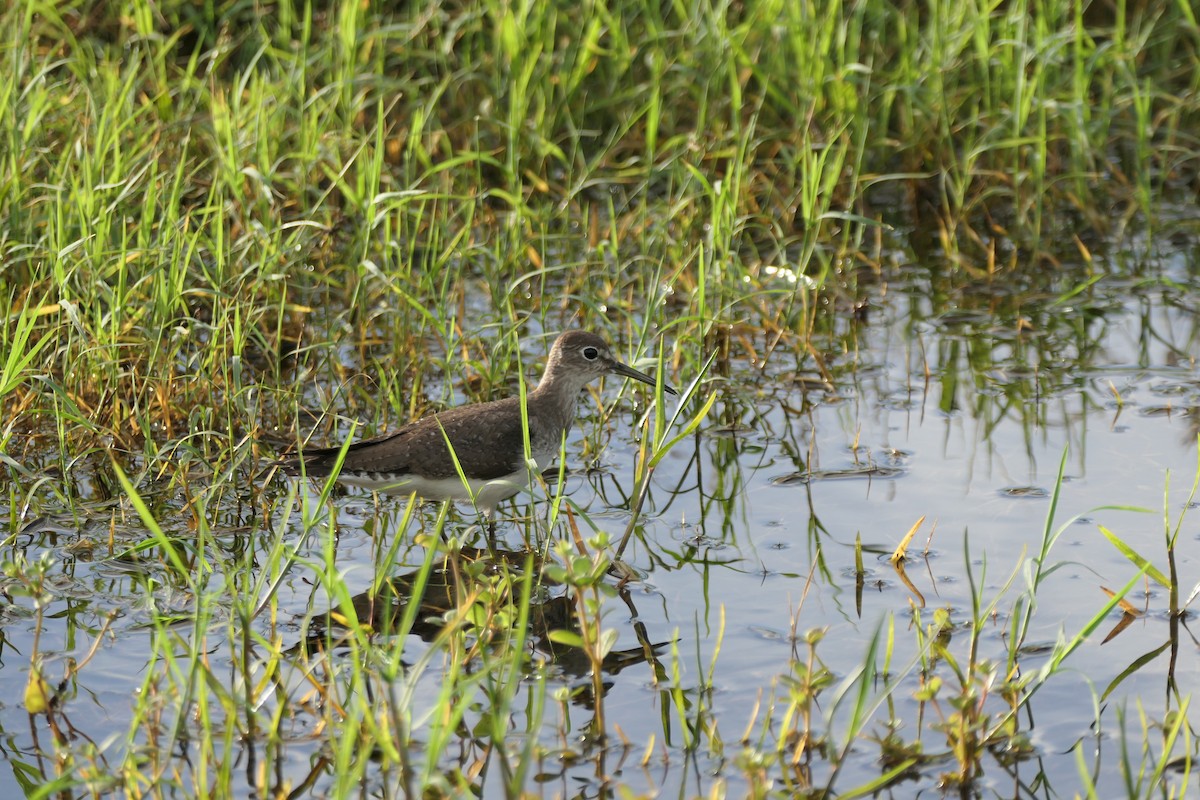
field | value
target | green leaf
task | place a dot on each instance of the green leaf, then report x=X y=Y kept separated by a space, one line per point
x=1137 y=559
x=569 y=638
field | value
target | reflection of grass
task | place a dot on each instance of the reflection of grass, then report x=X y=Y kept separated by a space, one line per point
x=214 y=222
x=970 y=710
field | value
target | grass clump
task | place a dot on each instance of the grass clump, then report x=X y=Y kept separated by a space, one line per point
x=227 y=225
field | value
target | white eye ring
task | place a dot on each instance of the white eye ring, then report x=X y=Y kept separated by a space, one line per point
x=590 y=353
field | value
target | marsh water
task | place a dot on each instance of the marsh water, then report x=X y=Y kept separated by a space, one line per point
x=946 y=396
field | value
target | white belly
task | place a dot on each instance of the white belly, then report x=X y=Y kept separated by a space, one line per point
x=485 y=494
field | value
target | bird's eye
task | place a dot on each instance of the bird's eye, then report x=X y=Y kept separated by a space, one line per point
x=591 y=353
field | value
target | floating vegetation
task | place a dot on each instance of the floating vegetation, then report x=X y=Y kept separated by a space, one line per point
x=853 y=473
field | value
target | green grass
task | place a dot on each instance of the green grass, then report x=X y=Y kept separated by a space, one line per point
x=227 y=225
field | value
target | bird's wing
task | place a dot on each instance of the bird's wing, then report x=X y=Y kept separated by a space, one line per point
x=485 y=439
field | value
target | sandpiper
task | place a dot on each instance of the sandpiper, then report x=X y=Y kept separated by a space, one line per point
x=486 y=438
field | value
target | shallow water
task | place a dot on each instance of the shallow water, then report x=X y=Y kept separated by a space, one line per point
x=950 y=400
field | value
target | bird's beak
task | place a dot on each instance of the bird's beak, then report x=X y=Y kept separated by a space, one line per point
x=638 y=375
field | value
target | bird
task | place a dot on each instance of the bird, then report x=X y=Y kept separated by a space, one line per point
x=487 y=438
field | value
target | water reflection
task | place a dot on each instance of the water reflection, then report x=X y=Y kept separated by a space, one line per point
x=763 y=560
x=978 y=393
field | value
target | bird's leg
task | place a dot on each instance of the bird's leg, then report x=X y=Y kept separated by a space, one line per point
x=490 y=529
